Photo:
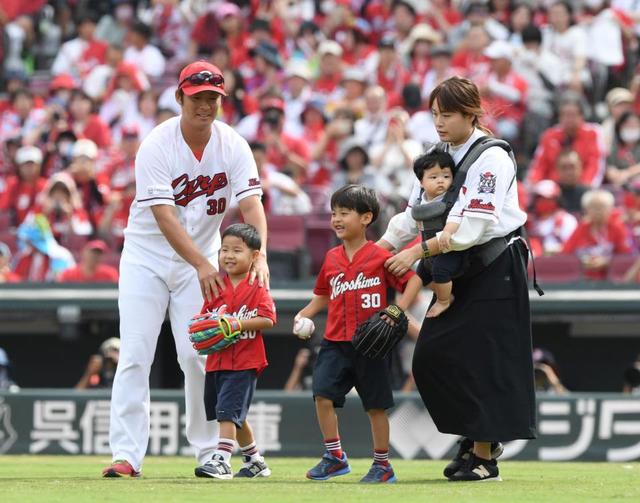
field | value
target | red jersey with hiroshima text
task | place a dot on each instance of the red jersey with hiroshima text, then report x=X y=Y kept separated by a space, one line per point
x=356 y=288
x=245 y=301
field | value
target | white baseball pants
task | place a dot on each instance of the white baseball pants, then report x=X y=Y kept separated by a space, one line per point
x=145 y=293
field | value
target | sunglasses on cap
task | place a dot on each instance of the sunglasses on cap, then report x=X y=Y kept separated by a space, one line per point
x=197 y=79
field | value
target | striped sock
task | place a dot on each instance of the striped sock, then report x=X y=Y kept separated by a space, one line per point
x=224 y=449
x=334 y=447
x=381 y=456
x=250 y=452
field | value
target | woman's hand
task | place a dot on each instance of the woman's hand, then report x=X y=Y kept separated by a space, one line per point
x=402 y=262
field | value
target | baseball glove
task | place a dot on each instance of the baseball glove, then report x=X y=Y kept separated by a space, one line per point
x=214 y=331
x=376 y=336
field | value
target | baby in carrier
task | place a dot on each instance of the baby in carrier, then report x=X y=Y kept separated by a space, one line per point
x=435 y=171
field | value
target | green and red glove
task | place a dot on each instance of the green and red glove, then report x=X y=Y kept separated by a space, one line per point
x=214 y=331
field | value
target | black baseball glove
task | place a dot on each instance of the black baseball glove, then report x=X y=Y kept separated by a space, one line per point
x=377 y=336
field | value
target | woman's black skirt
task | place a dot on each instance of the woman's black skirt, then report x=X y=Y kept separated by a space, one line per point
x=472 y=364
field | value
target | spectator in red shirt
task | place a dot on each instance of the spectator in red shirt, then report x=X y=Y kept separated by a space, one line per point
x=91 y=269
x=330 y=68
x=504 y=92
x=403 y=14
x=570 y=132
x=355 y=43
x=93 y=187
x=230 y=20
x=550 y=226
x=470 y=57
x=599 y=235
x=287 y=153
x=442 y=15
x=86 y=123
x=61 y=203
x=6 y=274
x=266 y=74
x=116 y=215
x=420 y=42
x=390 y=73
x=22 y=189
x=80 y=55
x=631 y=201
x=205 y=33
x=22 y=119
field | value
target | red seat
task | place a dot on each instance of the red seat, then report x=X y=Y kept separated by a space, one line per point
x=287 y=246
x=558 y=269
x=9 y=238
x=320 y=238
x=286 y=232
x=5 y=221
x=320 y=197
x=619 y=266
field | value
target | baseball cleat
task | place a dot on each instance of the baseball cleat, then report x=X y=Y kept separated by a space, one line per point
x=464 y=451
x=254 y=469
x=329 y=466
x=215 y=468
x=120 y=468
x=379 y=474
x=477 y=470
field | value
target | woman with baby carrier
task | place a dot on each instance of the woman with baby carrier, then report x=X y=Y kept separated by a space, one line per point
x=472 y=362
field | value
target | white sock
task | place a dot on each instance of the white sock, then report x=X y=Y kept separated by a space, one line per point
x=224 y=449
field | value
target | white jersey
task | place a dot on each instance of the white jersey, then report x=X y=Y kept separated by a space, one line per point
x=167 y=172
x=489 y=194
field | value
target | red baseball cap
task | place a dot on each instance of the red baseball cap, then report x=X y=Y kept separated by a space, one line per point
x=277 y=103
x=190 y=88
x=96 y=244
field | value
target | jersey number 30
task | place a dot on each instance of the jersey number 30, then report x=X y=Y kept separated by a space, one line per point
x=216 y=206
x=370 y=300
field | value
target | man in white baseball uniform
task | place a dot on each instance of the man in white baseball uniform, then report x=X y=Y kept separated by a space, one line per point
x=186 y=171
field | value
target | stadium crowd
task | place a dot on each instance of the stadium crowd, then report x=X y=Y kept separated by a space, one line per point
x=327 y=92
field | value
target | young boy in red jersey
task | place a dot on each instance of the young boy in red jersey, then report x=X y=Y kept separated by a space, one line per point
x=232 y=373
x=353 y=284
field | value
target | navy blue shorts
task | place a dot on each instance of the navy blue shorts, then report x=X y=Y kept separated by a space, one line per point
x=228 y=395
x=339 y=367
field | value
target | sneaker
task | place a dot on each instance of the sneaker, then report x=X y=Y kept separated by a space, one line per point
x=464 y=451
x=379 y=474
x=120 y=468
x=254 y=469
x=477 y=470
x=215 y=468
x=329 y=466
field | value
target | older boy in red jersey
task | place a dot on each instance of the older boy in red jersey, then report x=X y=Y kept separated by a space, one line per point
x=353 y=284
x=232 y=373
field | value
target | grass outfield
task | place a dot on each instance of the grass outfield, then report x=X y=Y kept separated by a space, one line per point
x=77 y=479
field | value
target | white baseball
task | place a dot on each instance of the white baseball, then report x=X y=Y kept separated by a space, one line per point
x=303 y=328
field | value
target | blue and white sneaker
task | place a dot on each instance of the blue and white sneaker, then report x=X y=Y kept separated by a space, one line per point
x=329 y=466
x=254 y=469
x=215 y=468
x=379 y=474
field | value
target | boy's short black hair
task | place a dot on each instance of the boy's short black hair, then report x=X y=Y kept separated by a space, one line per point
x=358 y=198
x=430 y=159
x=247 y=232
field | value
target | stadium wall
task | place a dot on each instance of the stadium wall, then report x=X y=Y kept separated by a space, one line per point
x=589 y=427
